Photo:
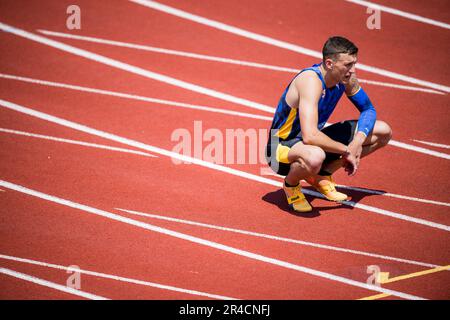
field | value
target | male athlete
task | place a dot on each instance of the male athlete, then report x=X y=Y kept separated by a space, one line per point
x=301 y=148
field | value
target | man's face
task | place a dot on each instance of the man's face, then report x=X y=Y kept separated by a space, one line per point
x=344 y=66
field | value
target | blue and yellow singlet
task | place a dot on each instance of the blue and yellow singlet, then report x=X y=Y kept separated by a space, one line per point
x=286 y=122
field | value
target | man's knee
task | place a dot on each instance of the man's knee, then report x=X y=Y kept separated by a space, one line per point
x=311 y=160
x=383 y=132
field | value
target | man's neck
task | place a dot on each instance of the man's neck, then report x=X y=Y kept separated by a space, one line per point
x=329 y=82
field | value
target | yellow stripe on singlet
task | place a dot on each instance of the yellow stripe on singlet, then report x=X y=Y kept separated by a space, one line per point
x=286 y=128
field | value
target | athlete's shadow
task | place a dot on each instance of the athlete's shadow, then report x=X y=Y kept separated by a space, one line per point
x=278 y=198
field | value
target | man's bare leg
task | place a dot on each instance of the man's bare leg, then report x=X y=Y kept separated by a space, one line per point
x=379 y=138
x=305 y=161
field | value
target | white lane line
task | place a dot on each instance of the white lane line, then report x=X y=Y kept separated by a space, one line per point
x=76 y=142
x=172 y=81
x=165 y=51
x=399 y=86
x=277 y=238
x=215 y=58
x=438 y=145
x=50 y=284
x=134 y=97
x=398 y=215
x=200 y=162
x=212 y=244
x=419 y=149
x=133 y=69
x=277 y=43
x=401 y=13
x=393 y=195
x=117 y=278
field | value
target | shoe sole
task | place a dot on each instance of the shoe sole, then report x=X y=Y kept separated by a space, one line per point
x=292 y=208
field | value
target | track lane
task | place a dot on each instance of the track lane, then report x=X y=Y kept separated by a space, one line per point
x=436 y=125
x=117 y=290
x=169 y=26
x=66 y=176
x=291 y=29
x=85 y=244
x=434 y=9
x=17 y=289
x=349 y=266
x=265 y=87
x=135 y=26
x=67 y=69
x=145 y=121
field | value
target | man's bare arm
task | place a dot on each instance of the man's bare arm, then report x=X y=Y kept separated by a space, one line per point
x=309 y=88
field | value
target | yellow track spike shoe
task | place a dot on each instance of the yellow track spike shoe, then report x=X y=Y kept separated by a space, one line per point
x=296 y=199
x=326 y=186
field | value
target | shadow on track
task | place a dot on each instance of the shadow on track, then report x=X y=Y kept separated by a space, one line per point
x=279 y=199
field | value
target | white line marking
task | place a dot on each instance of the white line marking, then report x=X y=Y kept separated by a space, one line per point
x=129 y=142
x=216 y=59
x=133 y=69
x=439 y=145
x=117 y=278
x=165 y=79
x=165 y=51
x=277 y=43
x=393 y=195
x=399 y=86
x=419 y=149
x=200 y=162
x=81 y=143
x=49 y=284
x=398 y=216
x=133 y=97
x=277 y=238
x=411 y=147
x=401 y=13
x=204 y=242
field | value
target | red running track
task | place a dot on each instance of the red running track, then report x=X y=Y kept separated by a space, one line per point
x=44 y=231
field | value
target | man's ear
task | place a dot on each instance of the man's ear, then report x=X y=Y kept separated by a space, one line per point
x=329 y=63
